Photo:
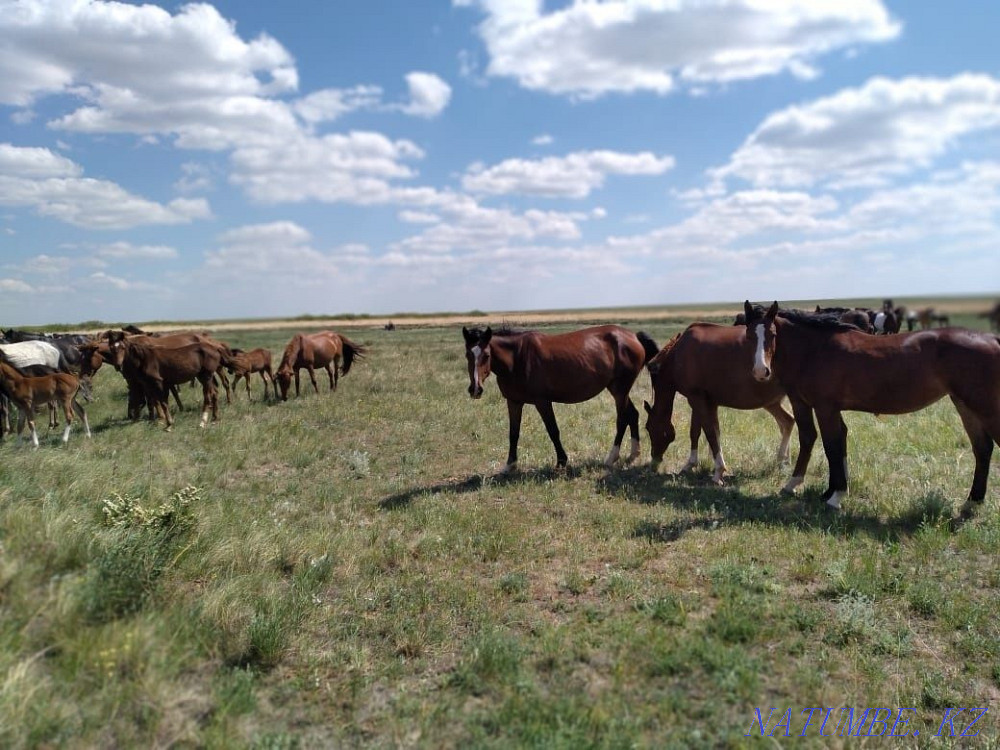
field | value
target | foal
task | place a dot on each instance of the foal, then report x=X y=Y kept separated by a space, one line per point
x=25 y=392
x=244 y=364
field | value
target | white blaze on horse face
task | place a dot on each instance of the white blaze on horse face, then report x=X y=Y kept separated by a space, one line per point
x=761 y=368
x=880 y=323
x=476 y=353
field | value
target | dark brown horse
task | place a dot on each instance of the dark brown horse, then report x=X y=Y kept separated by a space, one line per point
x=244 y=364
x=830 y=368
x=704 y=364
x=331 y=351
x=538 y=369
x=156 y=368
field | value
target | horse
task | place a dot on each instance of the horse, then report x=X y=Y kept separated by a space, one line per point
x=244 y=364
x=828 y=368
x=540 y=369
x=27 y=392
x=334 y=352
x=136 y=392
x=65 y=343
x=993 y=316
x=855 y=316
x=702 y=363
x=156 y=368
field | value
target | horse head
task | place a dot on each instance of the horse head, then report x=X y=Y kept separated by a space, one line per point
x=761 y=332
x=477 y=353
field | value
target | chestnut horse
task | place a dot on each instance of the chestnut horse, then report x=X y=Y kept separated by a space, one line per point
x=703 y=364
x=830 y=368
x=331 y=351
x=244 y=364
x=539 y=369
x=28 y=392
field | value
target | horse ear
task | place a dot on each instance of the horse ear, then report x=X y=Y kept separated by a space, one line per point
x=465 y=334
x=747 y=311
x=487 y=335
x=649 y=409
x=772 y=310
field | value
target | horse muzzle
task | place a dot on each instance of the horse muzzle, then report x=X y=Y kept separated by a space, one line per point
x=476 y=391
x=762 y=375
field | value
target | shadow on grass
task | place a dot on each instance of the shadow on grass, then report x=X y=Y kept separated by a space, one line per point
x=730 y=506
x=475 y=482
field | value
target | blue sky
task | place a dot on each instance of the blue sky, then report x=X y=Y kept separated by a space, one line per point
x=261 y=159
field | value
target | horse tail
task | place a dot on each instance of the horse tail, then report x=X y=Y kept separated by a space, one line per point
x=352 y=351
x=649 y=345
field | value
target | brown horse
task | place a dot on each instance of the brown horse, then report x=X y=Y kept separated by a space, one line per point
x=827 y=367
x=156 y=368
x=538 y=369
x=28 y=392
x=331 y=351
x=244 y=364
x=703 y=364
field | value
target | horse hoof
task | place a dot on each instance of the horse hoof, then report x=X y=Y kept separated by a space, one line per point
x=718 y=482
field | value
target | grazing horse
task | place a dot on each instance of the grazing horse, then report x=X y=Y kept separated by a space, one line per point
x=27 y=392
x=244 y=364
x=539 y=369
x=703 y=364
x=331 y=351
x=829 y=368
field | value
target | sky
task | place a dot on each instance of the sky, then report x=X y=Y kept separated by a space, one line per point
x=261 y=159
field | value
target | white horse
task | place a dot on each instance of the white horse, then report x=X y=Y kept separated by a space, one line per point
x=27 y=353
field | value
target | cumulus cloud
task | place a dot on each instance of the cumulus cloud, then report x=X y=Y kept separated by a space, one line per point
x=592 y=48
x=861 y=136
x=54 y=186
x=128 y=251
x=572 y=176
x=429 y=95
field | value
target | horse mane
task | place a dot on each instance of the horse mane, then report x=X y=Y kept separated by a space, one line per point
x=503 y=330
x=291 y=350
x=654 y=363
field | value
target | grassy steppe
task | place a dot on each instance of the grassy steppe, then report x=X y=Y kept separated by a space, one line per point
x=350 y=572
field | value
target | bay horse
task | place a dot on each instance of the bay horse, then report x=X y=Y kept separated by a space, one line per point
x=539 y=369
x=156 y=368
x=829 y=368
x=244 y=364
x=703 y=364
x=331 y=351
x=28 y=392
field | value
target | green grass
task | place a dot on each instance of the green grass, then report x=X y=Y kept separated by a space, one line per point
x=351 y=572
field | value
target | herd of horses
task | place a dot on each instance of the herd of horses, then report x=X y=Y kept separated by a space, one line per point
x=823 y=363
x=38 y=371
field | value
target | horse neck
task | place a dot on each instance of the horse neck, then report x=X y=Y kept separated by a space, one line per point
x=504 y=353
x=291 y=351
x=794 y=343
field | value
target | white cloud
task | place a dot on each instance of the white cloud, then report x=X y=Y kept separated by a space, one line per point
x=861 y=136
x=542 y=140
x=128 y=251
x=418 y=217
x=327 y=105
x=592 y=48
x=16 y=286
x=429 y=95
x=572 y=176
x=195 y=178
x=54 y=187
x=139 y=52
x=356 y=167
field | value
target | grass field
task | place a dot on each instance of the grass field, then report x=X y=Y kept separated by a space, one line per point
x=348 y=571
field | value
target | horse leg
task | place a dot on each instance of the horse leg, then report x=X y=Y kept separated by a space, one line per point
x=711 y=417
x=225 y=384
x=82 y=414
x=834 y=433
x=177 y=398
x=312 y=377
x=621 y=424
x=549 y=418
x=264 y=378
x=331 y=371
x=208 y=389
x=336 y=372
x=297 y=383
x=807 y=439
x=68 y=411
x=785 y=423
x=982 y=448
x=246 y=379
x=633 y=427
x=695 y=435
x=514 y=410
